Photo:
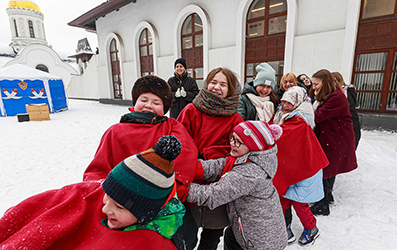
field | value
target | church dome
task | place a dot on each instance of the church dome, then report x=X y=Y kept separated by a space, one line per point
x=24 y=4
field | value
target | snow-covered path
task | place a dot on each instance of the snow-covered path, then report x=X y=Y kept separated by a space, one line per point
x=38 y=156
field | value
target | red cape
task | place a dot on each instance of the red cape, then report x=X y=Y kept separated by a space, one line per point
x=70 y=218
x=125 y=139
x=210 y=133
x=300 y=155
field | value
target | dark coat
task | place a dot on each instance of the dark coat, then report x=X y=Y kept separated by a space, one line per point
x=352 y=99
x=279 y=91
x=334 y=131
x=245 y=107
x=191 y=88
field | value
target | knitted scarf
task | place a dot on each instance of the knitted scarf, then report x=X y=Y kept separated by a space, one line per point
x=213 y=105
x=166 y=222
x=142 y=117
x=264 y=107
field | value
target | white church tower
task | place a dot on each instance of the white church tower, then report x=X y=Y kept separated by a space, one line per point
x=26 y=24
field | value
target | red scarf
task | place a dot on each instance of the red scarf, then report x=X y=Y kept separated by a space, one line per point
x=229 y=164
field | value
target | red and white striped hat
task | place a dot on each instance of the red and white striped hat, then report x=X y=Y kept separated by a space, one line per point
x=258 y=135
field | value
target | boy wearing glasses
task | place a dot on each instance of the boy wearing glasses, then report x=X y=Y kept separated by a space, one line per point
x=244 y=183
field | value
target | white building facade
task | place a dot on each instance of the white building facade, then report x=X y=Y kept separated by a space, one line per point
x=137 y=37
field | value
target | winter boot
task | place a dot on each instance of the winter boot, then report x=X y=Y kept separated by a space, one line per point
x=320 y=208
x=331 y=199
x=291 y=236
x=308 y=236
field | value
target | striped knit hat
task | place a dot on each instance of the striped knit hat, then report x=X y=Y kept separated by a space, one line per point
x=258 y=135
x=143 y=183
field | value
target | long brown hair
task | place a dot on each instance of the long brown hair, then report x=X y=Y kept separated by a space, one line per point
x=230 y=77
x=274 y=99
x=338 y=78
x=328 y=87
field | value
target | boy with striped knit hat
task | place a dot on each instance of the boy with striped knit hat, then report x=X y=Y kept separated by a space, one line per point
x=140 y=192
x=244 y=183
x=135 y=207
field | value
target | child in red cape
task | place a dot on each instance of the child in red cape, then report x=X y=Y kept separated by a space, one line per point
x=300 y=162
x=135 y=208
x=140 y=129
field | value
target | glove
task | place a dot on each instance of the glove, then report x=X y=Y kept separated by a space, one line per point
x=183 y=92
x=199 y=173
x=182 y=191
x=178 y=93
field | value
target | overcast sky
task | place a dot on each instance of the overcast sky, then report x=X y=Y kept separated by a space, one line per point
x=57 y=14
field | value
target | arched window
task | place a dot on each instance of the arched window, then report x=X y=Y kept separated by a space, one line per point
x=31 y=30
x=16 y=28
x=192 y=47
x=375 y=63
x=42 y=67
x=115 y=64
x=265 y=38
x=146 y=53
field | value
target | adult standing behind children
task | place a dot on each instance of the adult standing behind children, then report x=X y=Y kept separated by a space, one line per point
x=184 y=88
x=140 y=129
x=259 y=100
x=334 y=131
x=209 y=120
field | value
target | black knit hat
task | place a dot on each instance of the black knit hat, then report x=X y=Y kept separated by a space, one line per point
x=155 y=85
x=143 y=183
x=181 y=61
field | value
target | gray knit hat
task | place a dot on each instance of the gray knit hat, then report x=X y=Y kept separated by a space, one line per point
x=266 y=75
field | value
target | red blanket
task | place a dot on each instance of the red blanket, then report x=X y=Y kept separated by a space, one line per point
x=70 y=218
x=300 y=155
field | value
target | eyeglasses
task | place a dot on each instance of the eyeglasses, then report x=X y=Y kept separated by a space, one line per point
x=236 y=142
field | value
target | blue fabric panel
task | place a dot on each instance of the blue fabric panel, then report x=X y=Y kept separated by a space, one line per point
x=58 y=95
x=15 y=98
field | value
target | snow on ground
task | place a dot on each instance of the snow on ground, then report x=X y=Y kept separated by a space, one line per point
x=38 y=156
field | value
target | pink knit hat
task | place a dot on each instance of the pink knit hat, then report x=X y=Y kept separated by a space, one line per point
x=258 y=135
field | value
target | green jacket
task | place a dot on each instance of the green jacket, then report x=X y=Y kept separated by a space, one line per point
x=167 y=221
x=245 y=107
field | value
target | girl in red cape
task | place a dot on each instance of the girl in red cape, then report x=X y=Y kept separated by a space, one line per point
x=209 y=120
x=300 y=162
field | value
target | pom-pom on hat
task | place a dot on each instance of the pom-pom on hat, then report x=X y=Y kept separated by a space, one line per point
x=181 y=61
x=155 y=85
x=258 y=135
x=143 y=183
x=265 y=75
